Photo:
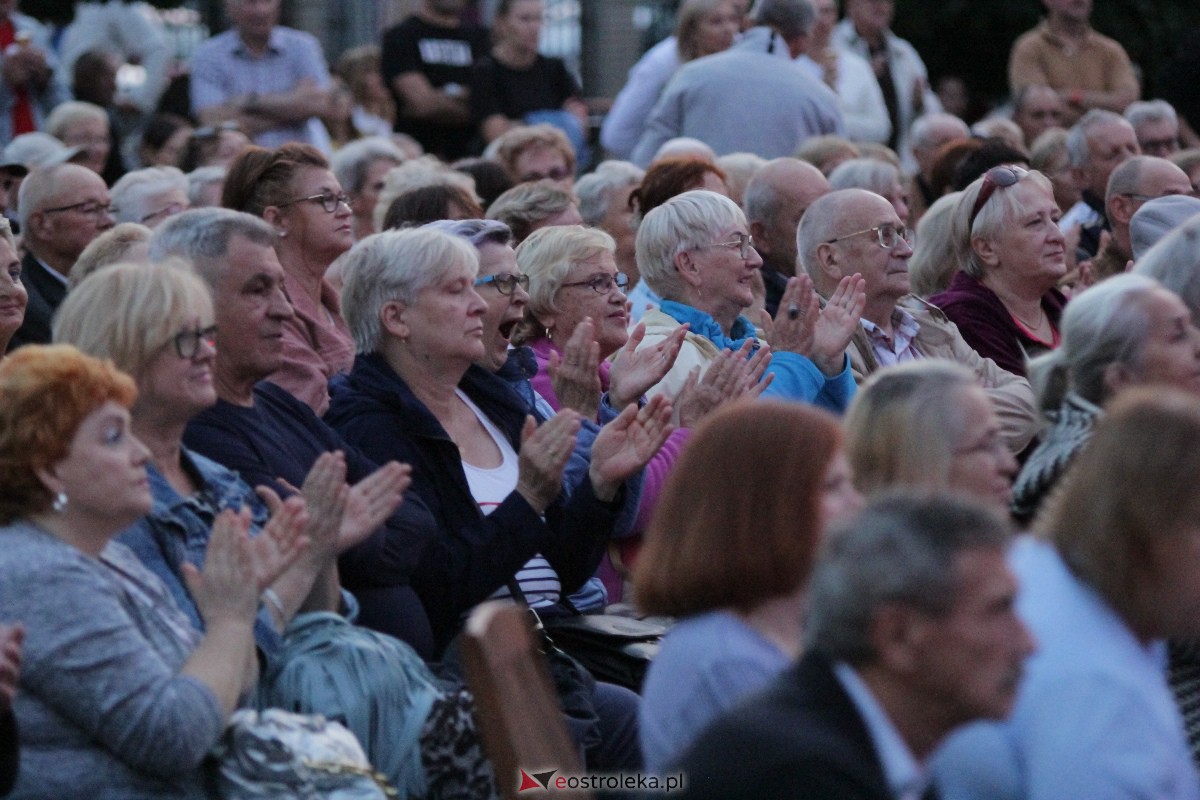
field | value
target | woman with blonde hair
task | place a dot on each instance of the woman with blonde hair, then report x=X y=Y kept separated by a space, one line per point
x=928 y=424
x=731 y=558
x=939 y=250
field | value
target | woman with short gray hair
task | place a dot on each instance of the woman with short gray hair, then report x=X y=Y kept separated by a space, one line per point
x=491 y=478
x=1126 y=331
x=150 y=195
x=695 y=251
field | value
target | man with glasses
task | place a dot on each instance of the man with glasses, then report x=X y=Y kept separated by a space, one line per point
x=1133 y=183
x=855 y=231
x=63 y=208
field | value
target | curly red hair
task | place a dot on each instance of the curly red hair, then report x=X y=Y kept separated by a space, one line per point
x=45 y=394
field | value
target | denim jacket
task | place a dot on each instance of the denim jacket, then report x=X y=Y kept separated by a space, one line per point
x=177 y=530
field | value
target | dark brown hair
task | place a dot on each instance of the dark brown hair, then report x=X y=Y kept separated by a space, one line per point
x=429 y=204
x=739 y=519
x=259 y=177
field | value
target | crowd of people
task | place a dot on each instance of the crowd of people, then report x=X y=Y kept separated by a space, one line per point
x=887 y=417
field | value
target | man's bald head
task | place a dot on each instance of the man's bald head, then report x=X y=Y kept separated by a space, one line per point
x=832 y=216
x=776 y=199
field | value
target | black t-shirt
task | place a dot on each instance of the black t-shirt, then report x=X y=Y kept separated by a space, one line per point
x=444 y=56
x=497 y=89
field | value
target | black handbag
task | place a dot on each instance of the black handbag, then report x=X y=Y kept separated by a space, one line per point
x=615 y=649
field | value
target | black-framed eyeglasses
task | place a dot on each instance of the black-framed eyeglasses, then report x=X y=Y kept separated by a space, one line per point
x=506 y=283
x=187 y=343
x=91 y=208
x=887 y=234
x=1000 y=177
x=328 y=200
x=602 y=282
x=744 y=242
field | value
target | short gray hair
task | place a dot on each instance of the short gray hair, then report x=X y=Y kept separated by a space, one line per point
x=350 y=164
x=1141 y=111
x=1175 y=263
x=527 y=204
x=546 y=257
x=131 y=194
x=940 y=249
x=476 y=231
x=595 y=190
x=865 y=173
x=1105 y=325
x=790 y=18
x=1077 y=137
x=901 y=549
x=922 y=127
x=201 y=177
x=685 y=222
x=395 y=265
x=202 y=236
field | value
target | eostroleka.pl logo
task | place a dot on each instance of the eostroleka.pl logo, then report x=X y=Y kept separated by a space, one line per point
x=551 y=781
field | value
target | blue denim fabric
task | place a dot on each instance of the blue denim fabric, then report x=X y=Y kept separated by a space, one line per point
x=177 y=530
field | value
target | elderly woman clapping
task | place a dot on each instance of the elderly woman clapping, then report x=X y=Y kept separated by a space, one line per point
x=695 y=252
x=576 y=327
x=490 y=477
x=120 y=696
x=1004 y=301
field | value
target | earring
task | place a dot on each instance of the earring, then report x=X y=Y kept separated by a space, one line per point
x=60 y=502
x=282 y=234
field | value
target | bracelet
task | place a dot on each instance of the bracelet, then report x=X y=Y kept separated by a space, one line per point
x=276 y=605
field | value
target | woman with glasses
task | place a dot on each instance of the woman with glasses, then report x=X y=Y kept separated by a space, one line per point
x=1004 y=300
x=156 y=322
x=150 y=195
x=928 y=424
x=294 y=190
x=696 y=253
x=419 y=392
x=576 y=323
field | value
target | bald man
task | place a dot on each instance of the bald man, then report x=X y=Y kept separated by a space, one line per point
x=1130 y=186
x=855 y=231
x=63 y=208
x=775 y=201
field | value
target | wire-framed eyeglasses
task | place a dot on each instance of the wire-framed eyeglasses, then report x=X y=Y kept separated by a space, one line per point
x=887 y=234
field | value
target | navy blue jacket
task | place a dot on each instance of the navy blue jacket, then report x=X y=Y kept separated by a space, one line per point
x=475 y=554
x=281 y=437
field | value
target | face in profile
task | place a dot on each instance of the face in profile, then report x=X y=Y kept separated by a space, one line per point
x=967 y=662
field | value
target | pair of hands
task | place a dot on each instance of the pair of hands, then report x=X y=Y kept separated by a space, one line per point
x=324 y=518
x=576 y=377
x=622 y=447
x=820 y=334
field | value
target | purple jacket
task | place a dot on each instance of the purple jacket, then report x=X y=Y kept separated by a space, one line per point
x=987 y=325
